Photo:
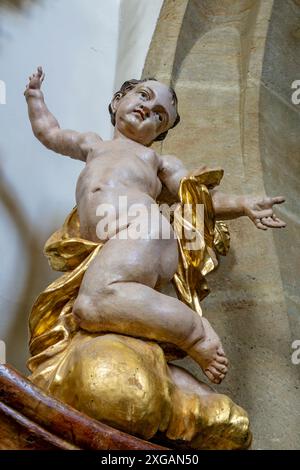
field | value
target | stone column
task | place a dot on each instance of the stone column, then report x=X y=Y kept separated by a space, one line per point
x=213 y=52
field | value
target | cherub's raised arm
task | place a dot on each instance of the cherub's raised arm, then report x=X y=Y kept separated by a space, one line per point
x=46 y=128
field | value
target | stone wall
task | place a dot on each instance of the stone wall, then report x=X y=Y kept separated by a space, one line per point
x=222 y=56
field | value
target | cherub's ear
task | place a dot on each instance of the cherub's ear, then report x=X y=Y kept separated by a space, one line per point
x=115 y=101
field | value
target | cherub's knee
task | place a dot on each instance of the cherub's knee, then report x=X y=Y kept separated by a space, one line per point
x=83 y=307
x=89 y=309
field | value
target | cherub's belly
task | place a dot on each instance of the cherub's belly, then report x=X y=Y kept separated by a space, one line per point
x=106 y=213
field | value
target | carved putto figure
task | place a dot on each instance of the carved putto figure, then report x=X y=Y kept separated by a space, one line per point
x=103 y=334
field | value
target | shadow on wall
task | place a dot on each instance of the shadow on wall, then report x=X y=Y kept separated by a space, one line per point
x=201 y=17
x=36 y=275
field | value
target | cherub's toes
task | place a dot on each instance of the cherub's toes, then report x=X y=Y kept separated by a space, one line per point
x=210 y=375
x=220 y=378
x=214 y=375
x=217 y=380
x=222 y=368
x=222 y=360
x=215 y=371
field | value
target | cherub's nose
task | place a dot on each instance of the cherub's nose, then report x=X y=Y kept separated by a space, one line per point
x=146 y=110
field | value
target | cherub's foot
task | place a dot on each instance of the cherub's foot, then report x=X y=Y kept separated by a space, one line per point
x=209 y=354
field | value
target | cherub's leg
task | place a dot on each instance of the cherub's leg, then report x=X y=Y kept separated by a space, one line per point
x=118 y=294
x=203 y=418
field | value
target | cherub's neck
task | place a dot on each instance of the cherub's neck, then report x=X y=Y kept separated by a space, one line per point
x=119 y=135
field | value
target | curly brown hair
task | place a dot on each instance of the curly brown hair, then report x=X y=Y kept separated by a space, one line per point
x=129 y=85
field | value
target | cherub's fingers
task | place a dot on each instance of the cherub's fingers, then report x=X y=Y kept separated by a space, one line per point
x=273 y=222
x=277 y=200
x=269 y=222
x=280 y=223
x=263 y=213
x=42 y=77
x=260 y=225
x=40 y=71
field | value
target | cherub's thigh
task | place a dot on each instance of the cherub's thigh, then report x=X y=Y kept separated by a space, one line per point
x=144 y=261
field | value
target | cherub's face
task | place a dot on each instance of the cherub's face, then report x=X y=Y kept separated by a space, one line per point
x=145 y=112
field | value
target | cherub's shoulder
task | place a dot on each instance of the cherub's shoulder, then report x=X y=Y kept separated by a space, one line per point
x=91 y=137
x=88 y=141
x=170 y=162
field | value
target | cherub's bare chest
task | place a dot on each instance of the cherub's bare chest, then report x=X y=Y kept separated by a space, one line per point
x=131 y=158
x=149 y=157
x=134 y=166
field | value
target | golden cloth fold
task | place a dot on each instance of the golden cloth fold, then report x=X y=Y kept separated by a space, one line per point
x=51 y=322
x=211 y=237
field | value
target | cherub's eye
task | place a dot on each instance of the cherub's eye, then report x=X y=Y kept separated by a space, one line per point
x=143 y=94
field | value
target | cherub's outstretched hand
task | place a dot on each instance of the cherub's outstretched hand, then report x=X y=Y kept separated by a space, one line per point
x=35 y=80
x=260 y=211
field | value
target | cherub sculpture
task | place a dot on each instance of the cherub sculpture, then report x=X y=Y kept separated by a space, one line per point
x=100 y=334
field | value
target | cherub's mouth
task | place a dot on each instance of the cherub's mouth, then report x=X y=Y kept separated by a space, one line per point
x=140 y=113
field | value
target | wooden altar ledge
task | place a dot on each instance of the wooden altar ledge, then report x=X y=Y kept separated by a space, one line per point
x=32 y=420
